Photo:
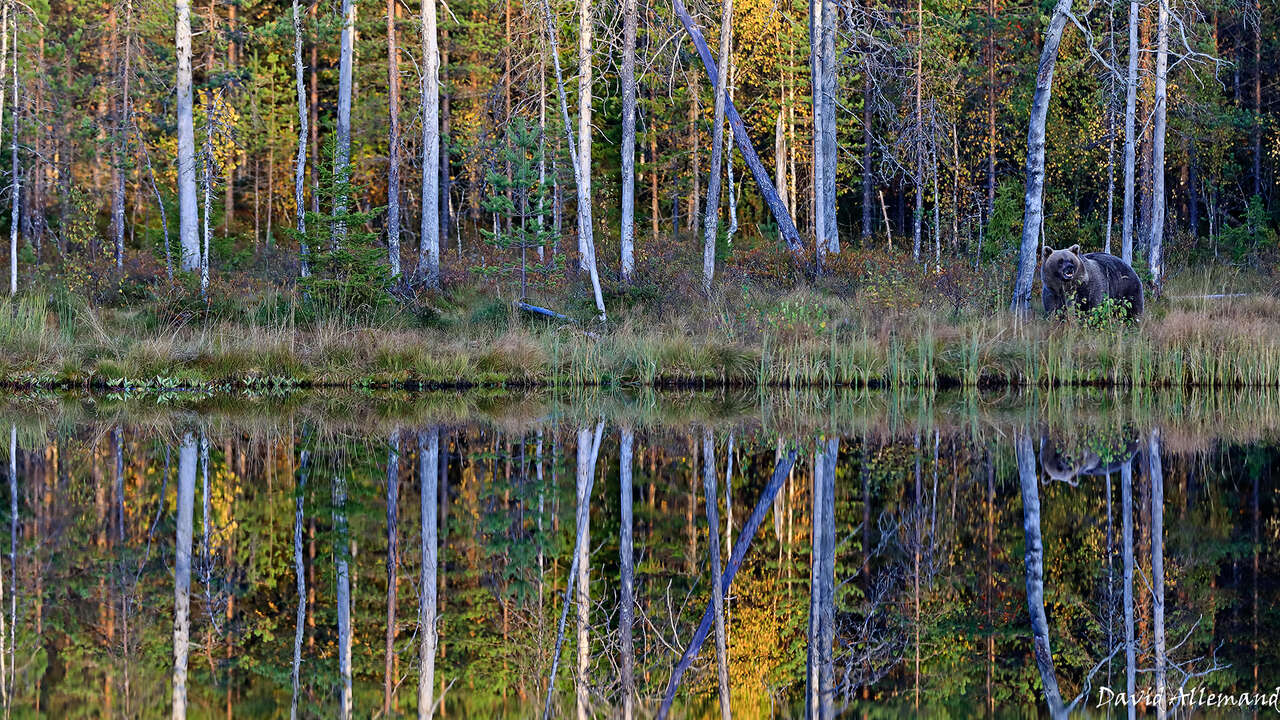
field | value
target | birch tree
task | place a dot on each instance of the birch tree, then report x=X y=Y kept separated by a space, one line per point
x=300 y=166
x=628 y=263
x=393 y=564
x=342 y=149
x=187 y=220
x=342 y=572
x=299 y=569
x=1155 y=243
x=711 y=221
x=16 y=190
x=1130 y=145
x=429 y=245
x=581 y=165
x=1033 y=214
x=393 y=142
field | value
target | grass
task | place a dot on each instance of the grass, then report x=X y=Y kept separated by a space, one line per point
x=904 y=334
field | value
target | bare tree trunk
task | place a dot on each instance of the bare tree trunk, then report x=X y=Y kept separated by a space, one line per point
x=182 y=573
x=586 y=237
x=1033 y=217
x=1111 y=128
x=1257 y=94
x=820 y=677
x=428 y=479
x=1155 y=244
x=121 y=143
x=760 y=174
x=711 y=220
x=868 y=197
x=1130 y=150
x=713 y=544
x=187 y=220
x=816 y=75
x=393 y=564
x=581 y=166
x=299 y=569
x=919 y=130
x=16 y=189
x=342 y=149
x=626 y=613
x=300 y=167
x=628 y=139
x=780 y=159
x=1156 y=475
x=830 y=19
x=429 y=247
x=393 y=141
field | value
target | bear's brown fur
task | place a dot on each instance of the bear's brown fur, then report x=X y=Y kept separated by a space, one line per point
x=1086 y=281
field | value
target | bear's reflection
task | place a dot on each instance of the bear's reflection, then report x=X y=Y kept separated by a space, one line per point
x=1065 y=457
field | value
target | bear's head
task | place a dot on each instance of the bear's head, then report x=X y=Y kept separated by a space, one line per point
x=1064 y=267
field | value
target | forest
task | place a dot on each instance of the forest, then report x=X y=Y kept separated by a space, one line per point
x=549 y=192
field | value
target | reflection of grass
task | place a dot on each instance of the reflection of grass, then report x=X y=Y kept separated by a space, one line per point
x=1073 y=417
x=800 y=338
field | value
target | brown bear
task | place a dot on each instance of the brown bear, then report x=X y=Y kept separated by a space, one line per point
x=1085 y=281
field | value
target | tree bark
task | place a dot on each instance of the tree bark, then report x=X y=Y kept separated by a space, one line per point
x=711 y=220
x=300 y=167
x=121 y=143
x=629 y=22
x=429 y=247
x=342 y=149
x=393 y=141
x=188 y=236
x=1033 y=216
x=16 y=190
x=1155 y=243
x=830 y=161
x=588 y=446
x=1130 y=149
x=581 y=167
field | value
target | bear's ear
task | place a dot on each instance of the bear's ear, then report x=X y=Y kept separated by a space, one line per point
x=1074 y=249
x=1047 y=251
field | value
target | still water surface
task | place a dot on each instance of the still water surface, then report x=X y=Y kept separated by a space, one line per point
x=400 y=555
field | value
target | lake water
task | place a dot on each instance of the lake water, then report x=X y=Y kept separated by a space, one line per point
x=958 y=554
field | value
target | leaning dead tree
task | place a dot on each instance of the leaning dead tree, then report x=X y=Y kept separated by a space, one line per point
x=786 y=225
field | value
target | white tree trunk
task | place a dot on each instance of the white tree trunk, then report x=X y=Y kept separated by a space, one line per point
x=342 y=150
x=428 y=479
x=830 y=18
x=1130 y=649
x=300 y=167
x=393 y=142
x=586 y=236
x=1130 y=149
x=16 y=190
x=819 y=107
x=1155 y=244
x=711 y=220
x=1033 y=215
x=188 y=235
x=182 y=573
x=581 y=179
x=628 y=139
x=429 y=248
